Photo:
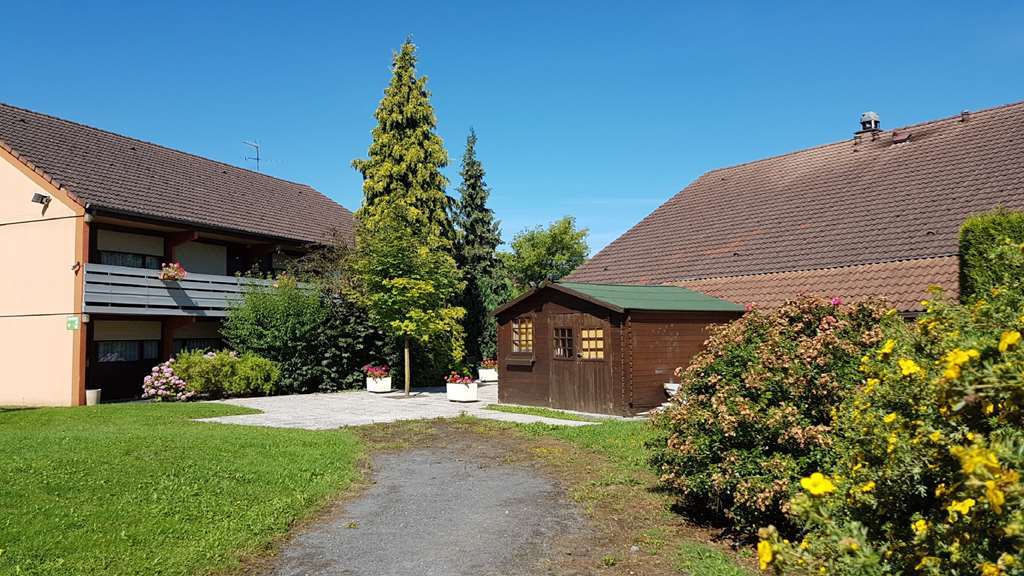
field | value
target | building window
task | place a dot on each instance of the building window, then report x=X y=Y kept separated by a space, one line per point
x=190 y=344
x=592 y=344
x=130 y=260
x=565 y=346
x=110 y=351
x=522 y=335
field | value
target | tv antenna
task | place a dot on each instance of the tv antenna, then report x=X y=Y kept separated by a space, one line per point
x=255 y=146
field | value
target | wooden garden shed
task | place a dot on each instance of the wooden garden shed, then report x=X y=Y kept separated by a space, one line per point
x=601 y=348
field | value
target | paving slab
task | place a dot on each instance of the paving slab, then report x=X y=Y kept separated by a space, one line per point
x=359 y=408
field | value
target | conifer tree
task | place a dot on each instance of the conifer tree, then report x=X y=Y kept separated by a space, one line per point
x=478 y=237
x=406 y=156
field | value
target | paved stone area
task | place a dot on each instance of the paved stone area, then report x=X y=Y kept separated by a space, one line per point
x=358 y=407
x=448 y=511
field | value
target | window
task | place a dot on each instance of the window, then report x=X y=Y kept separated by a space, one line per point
x=564 y=343
x=109 y=351
x=592 y=344
x=522 y=335
x=130 y=260
x=190 y=344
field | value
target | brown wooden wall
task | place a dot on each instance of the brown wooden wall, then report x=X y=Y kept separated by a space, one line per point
x=658 y=343
x=539 y=379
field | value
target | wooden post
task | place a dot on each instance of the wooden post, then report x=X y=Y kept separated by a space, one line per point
x=408 y=368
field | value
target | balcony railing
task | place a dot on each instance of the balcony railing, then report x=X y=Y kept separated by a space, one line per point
x=138 y=291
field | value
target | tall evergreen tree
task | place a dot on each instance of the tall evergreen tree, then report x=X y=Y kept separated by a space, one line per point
x=406 y=156
x=478 y=237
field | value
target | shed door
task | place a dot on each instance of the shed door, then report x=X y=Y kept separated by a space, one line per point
x=581 y=364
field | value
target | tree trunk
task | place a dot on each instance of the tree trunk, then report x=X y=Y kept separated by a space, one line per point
x=408 y=368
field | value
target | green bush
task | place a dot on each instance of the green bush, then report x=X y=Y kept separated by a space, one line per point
x=980 y=270
x=755 y=408
x=930 y=449
x=318 y=339
x=227 y=374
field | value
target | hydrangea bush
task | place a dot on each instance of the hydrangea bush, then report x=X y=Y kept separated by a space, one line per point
x=930 y=450
x=754 y=410
x=163 y=384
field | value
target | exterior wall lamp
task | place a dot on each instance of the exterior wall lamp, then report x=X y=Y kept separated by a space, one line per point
x=41 y=199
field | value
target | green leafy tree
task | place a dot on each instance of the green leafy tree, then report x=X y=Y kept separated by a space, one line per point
x=407 y=281
x=406 y=156
x=540 y=254
x=478 y=236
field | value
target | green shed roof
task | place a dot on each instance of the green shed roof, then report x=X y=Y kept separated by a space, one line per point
x=671 y=298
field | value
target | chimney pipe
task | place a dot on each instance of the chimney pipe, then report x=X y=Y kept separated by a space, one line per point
x=869 y=122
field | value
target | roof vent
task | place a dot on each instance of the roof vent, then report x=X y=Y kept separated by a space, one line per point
x=869 y=122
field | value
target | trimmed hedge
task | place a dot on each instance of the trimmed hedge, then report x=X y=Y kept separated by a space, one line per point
x=979 y=270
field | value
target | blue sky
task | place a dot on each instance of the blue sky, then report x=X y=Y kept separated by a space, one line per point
x=598 y=110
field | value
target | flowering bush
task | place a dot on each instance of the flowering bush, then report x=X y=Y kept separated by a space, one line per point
x=173 y=271
x=163 y=384
x=489 y=363
x=375 y=371
x=754 y=410
x=930 y=452
x=459 y=378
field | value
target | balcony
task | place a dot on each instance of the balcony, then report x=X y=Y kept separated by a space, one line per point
x=141 y=292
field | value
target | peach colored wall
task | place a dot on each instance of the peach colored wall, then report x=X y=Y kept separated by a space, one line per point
x=37 y=293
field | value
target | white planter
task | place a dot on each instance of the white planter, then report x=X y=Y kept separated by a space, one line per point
x=462 y=392
x=672 y=388
x=488 y=374
x=92 y=397
x=378 y=384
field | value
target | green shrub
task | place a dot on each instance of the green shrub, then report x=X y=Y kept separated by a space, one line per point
x=980 y=271
x=755 y=408
x=254 y=376
x=318 y=339
x=227 y=374
x=929 y=448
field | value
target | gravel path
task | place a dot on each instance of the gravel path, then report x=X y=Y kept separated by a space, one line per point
x=447 y=511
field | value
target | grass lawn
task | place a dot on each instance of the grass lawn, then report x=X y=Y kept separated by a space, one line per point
x=140 y=489
x=538 y=411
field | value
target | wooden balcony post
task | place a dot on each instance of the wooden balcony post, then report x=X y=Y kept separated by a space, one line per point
x=172 y=241
x=168 y=326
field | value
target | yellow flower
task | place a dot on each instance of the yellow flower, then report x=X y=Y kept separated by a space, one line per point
x=935 y=436
x=1008 y=339
x=990 y=569
x=867 y=486
x=956 y=358
x=920 y=527
x=975 y=460
x=926 y=562
x=908 y=366
x=990 y=408
x=817 y=484
x=961 y=506
x=871 y=383
x=764 y=554
x=996 y=497
x=940 y=490
x=889 y=418
x=887 y=348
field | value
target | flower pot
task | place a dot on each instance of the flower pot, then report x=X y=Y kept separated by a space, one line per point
x=488 y=374
x=378 y=385
x=462 y=392
x=672 y=388
x=92 y=397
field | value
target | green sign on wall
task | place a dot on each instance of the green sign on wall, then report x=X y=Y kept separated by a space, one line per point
x=74 y=322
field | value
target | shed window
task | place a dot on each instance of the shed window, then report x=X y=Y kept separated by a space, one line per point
x=592 y=344
x=565 y=347
x=522 y=335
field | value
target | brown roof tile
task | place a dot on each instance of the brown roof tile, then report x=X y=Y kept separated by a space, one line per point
x=117 y=173
x=860 y=201
x=904 y=283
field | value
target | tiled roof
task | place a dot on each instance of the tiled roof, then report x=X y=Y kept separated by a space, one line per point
x=904 y=283
x=117 y=173
x=866 y=200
